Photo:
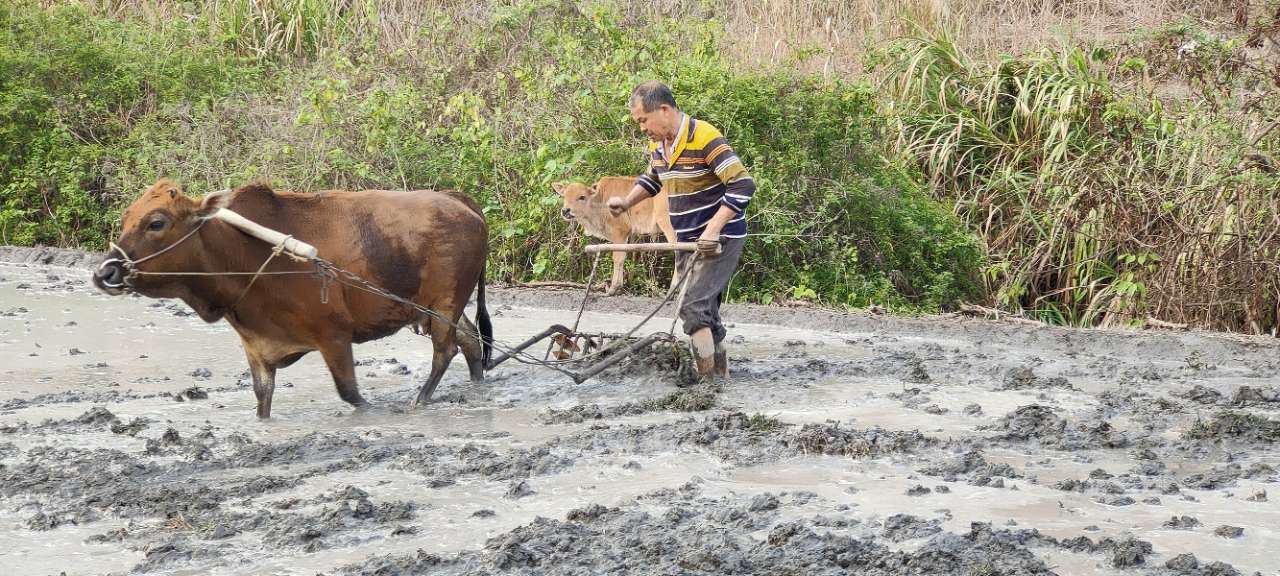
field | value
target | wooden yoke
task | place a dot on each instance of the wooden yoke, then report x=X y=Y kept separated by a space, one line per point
x=272 y=237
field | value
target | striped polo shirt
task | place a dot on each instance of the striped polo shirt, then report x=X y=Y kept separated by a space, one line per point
x=700 y=173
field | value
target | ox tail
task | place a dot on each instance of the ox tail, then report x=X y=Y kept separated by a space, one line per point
x=482 y=320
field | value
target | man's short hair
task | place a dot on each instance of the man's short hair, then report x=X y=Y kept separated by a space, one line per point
x=651 y=95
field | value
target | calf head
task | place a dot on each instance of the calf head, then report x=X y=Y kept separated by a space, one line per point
x=580 y=201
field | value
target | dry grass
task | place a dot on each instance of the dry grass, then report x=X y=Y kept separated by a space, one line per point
x=1102 y=204
x=829 y=37
x=840 y=33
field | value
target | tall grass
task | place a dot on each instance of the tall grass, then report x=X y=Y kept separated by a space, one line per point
x=1102 y=203
x=827 y=37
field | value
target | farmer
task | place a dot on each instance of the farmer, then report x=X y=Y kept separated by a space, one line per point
x=709 y=190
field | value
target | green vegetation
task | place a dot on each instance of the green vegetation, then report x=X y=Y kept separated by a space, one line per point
x=80 y=97
x=1105 y=182
x=499 y=106
x=761 y=423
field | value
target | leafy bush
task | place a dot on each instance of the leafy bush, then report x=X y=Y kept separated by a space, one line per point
x=72 y=89
x=499 y=104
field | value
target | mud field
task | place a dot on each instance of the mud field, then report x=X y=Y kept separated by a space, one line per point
x=844 y=444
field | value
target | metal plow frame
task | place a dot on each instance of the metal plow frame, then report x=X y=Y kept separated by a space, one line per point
x=563 y=335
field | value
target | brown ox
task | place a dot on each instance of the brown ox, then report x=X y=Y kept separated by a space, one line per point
x=426 y=246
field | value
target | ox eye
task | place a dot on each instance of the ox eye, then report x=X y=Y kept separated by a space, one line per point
x=582 y=197
x=155 y=225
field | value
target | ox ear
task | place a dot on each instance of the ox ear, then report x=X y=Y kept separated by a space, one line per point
x=558 y=187
x=595 y=189
x=213 y=202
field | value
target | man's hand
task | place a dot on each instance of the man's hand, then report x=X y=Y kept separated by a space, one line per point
x=617 y=206
x=709 y=241
x=709 y=244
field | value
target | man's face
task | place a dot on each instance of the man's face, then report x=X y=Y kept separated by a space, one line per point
x=655 y=124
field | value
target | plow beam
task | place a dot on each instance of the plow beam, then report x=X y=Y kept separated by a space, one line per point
x=554 y=329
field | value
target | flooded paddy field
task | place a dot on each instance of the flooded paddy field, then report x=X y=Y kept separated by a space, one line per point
x=845 y=443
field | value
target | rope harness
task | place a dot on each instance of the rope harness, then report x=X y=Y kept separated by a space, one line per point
x=347 y=278
x=132 y=271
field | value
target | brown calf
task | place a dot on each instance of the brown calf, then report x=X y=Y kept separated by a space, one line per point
x=588 y=206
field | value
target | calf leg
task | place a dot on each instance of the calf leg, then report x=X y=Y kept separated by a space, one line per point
x=337 y=355
x=443 y=348
x=615 y=282
x=264 y=383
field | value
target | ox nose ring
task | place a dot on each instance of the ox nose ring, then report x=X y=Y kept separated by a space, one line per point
x=111 y=273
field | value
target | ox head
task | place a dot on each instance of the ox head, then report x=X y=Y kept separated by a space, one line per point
x=157 y=228
x=579 y=199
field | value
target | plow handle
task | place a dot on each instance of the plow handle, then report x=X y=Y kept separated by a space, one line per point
x=644 y=247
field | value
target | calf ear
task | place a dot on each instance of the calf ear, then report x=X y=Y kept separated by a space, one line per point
x=595 y=189
x=558 y=187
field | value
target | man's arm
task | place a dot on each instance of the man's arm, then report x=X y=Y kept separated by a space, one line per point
x=647 y=186
x=722 y=217
x=619 y=205
x=739 y=187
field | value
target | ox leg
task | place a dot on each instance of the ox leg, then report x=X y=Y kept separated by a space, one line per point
x=472 y=349
x=443 y=348
x=342 y=366
x=264 y=383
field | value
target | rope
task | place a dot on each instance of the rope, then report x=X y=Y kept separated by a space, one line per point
x=347 y=278
x=684 y=287
x=279 y=249
x=129 y=262
x=361 y=284
x=587 y=291
x=670 y=292
x=277 y=273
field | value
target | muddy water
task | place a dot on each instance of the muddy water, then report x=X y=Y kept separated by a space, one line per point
x=171 y=481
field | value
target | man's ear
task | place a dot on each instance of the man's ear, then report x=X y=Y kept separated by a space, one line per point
x=558 y=187
x=213 y=202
